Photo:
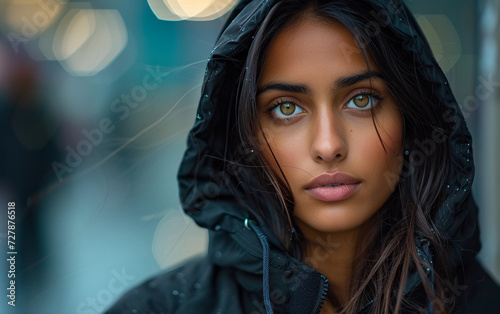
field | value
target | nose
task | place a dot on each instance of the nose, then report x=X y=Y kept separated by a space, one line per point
x=328 y=138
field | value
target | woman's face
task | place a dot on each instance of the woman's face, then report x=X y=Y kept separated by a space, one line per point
x=316 y=98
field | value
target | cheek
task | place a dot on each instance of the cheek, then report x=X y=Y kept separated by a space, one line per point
x=285 y=145
x=385 y=164
x=380 y=162
x=392 y=137
x=269 y=148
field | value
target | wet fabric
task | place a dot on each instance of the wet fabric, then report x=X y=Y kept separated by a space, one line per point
x=233 y=277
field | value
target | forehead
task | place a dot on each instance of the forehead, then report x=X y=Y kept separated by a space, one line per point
x=311 y=44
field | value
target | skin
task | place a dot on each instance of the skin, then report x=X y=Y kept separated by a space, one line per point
x=316 y=127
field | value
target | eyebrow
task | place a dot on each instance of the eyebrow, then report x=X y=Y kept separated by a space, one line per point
x=339 y=84
x=351 y=80
x=301 y=89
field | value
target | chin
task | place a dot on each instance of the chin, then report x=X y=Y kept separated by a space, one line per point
x=338 y=220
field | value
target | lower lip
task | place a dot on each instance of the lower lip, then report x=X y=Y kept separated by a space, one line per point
x=333 y=193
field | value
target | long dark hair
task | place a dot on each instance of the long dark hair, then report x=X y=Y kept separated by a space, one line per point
x=406 y=219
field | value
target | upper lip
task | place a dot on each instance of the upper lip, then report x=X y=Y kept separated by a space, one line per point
x=331 y=178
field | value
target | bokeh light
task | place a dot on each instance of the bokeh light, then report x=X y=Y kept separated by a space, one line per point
x=30 y=18
x=87 y=41
x=443 y=39
x=172 y=233
x=175 y=10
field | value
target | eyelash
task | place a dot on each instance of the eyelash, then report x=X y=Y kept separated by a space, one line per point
x=377 y=99
x=278 y=103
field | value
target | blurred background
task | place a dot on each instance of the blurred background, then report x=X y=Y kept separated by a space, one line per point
x=96 y=99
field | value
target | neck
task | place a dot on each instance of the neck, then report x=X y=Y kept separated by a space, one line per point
x=334 y=255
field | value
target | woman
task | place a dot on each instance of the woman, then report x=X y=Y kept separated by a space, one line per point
x=332 y=166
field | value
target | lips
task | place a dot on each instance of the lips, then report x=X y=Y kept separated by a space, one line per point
x=332 y=187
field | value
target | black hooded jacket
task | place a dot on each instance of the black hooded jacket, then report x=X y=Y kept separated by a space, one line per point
x=246 y=269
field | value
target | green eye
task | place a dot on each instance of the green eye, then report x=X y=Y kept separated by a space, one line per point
x=287 y=108
x=361 y=101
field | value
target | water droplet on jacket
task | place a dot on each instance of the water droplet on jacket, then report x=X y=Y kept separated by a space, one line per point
x=468 y=151
x=205 y=96
x=198 y=116
x=458 y=189
x=246 y=68
x=175 y=292
x=448 y=186
x=218 y=254
x=179 y=276
x=210 y=113
x=217 y=228
x=208 y=59
x=445 y=83
x=197 y=285
x=428 y=269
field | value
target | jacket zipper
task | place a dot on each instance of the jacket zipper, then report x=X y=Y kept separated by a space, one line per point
x=323 y=295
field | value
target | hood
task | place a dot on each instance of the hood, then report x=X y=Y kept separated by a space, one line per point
x=210 y=194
